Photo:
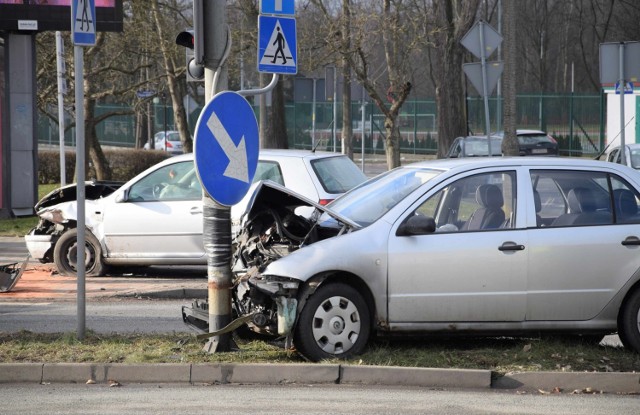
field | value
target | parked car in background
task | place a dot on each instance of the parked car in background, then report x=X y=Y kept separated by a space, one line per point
x=486 y=246
x=168 y=141
x=534 y=143
x=156 y=217
x=632 y=155
x=474 y=146
x=531 y=143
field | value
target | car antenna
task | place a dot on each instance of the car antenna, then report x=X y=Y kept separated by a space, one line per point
x=313 y=150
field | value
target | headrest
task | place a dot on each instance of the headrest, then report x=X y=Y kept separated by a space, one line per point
x=625 y=202
x=489 y=196
x=581 y=199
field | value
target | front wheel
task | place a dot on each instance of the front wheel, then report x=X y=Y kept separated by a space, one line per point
x=335 y=322
x=629 y=322
x=65 y=254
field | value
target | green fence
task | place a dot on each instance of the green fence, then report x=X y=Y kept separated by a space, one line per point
x=576 y=121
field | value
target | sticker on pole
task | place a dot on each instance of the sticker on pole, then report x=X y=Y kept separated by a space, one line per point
x=277 y=49
x=226 y=147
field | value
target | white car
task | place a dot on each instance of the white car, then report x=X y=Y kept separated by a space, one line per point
x=168 y=141
x=156 y=217
x=632 y=155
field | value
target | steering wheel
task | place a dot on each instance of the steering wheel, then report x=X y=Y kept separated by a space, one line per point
x=157 y=189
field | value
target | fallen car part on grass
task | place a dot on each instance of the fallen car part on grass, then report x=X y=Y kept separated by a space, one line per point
x=10 y=274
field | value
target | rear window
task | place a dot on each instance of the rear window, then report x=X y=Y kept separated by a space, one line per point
x=534 y=139
x=337 y=174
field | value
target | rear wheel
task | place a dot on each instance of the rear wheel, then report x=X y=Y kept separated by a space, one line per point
x=335 y=322
x=629 y=323
x=65 y=254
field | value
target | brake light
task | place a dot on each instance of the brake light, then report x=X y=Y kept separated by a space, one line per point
x=169 y=145
x=325 y=202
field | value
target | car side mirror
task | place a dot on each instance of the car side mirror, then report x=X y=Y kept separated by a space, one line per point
x=417 y=225
x=122 y=197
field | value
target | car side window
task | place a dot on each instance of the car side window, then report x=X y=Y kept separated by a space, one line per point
x=625 y=201
x=268 y=170
x=571 y=198
x=476 y=203
x=173 y=182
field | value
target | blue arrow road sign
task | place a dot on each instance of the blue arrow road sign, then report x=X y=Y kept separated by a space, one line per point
x=277 y=45
x=282 y=7
x=226 y=147
x=83 y=22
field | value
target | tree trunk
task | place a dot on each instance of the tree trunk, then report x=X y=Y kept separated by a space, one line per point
x=93 y=150
x=276 y=136
x=175 y=92
x=453 y=20
x=347 y=131
x=510 y=145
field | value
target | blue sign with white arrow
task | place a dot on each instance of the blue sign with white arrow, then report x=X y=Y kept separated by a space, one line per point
x=226 y=147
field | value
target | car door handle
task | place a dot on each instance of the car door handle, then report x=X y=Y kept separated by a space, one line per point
x=631 y=241
x=510 y=246
x=195 y=210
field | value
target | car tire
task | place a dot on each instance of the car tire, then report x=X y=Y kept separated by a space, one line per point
x=629 y=323
x=334 y=323
x=65 y=254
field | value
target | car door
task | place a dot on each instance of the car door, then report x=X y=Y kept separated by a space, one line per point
x=160 y=220
x=466 y=270
x=582 y=258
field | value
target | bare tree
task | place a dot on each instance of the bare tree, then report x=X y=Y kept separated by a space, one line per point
x=510 y=145
x=452 y=20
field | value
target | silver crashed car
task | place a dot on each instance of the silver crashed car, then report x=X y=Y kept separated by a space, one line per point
x=505 y=246
x=156 y=217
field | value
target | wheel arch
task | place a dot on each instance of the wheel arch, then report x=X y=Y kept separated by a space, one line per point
x=312 y=284
x=635 y=287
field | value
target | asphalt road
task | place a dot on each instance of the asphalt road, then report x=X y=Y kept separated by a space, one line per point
x=295 y=399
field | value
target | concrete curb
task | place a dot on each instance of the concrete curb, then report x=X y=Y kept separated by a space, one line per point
x=276 y=374
x=242 y=374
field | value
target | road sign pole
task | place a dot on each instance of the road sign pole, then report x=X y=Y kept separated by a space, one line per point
x=78 y=60
x=216 y=217
x=485 y=93
x=623 y=153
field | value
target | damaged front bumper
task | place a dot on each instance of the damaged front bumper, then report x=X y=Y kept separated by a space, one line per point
x=268 y=306
x=39 y=246
x=10 y=274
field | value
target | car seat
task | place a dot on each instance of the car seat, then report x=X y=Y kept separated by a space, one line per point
x=490 y=215
x=626 y=207
x=582 y=210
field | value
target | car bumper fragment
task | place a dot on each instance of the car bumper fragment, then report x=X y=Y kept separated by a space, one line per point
x=38 y=245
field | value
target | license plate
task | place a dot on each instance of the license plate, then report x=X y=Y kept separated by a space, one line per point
x=539 y=151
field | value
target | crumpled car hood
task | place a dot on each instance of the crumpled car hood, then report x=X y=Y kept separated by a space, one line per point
x=93 y=190
x=271 y=228
x=269 y=194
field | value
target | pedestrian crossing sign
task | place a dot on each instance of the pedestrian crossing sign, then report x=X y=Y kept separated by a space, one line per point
x=277 y=45
x=83 y=22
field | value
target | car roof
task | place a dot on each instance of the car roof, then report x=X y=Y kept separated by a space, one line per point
x=487 y=162
x=273 y=153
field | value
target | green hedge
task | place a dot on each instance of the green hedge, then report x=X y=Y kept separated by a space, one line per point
x=125 y=164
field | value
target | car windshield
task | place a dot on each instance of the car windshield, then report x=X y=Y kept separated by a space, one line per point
x=337 y=174
x=173 y=136
x=369 y=201
x=533 y=139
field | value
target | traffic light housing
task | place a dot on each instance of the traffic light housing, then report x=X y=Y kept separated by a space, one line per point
x=193 y=40
x=195 y=71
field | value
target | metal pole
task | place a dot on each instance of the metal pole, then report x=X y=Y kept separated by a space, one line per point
x=623 y=152
x=484 y=87
x=78 y=60
x=313 y=117
x=216 y=217
x=164 y=118
x=362 y=118
x=335 y=108
x=571 y=114
x=61 y=92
